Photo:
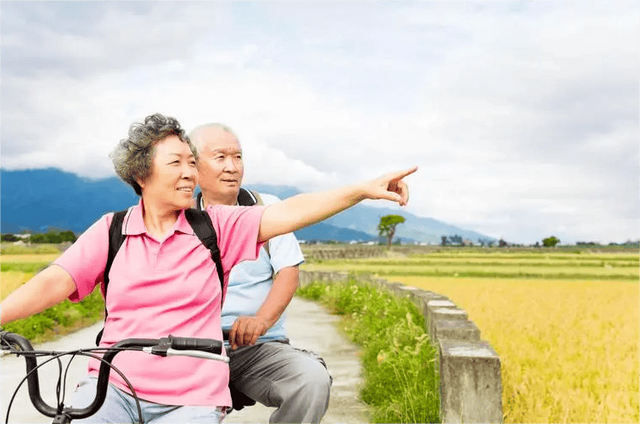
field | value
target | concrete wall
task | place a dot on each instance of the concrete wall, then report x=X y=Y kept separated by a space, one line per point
x=470 y=372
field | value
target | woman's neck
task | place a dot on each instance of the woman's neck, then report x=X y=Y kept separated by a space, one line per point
x=158 y=221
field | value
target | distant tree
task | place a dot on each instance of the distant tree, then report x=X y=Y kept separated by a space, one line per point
x=550 y=241
x=502 y=243
x=53 y=236
x=68 y=236
x=387 y=226
x=455 y=239
x=586 y=243
x=9 y=237
x=444 y=240
x=537 y=244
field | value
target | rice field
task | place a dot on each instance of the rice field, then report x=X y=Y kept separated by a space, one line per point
x=11 y=280
x=29 y=258
x=18 y=269
x=26 y=265
x=566 y=325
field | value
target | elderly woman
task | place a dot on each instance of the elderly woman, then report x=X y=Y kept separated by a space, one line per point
x=163 y=280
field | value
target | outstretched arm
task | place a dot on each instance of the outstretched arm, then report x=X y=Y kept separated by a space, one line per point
x=307 y=209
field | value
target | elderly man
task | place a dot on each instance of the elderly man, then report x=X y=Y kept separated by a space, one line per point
x=264 y=366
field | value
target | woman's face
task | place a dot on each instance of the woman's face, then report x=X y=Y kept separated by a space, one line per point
x=173 y=175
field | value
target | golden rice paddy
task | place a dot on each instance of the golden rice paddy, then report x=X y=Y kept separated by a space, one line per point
x=569 y=347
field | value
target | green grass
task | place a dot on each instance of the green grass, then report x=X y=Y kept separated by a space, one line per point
x=60 y=319
x=16 y=249
x=467 y=264
x=33 y=267
x=491 y=261
x=400 y=378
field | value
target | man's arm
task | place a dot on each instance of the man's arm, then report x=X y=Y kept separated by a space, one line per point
x=246 y=329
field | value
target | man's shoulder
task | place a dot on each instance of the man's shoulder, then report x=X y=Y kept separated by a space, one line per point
x=267 y=199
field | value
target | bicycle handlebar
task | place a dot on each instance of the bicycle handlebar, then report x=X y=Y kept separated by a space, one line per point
x=205 y=345
x=200 y=348
x=33 y=382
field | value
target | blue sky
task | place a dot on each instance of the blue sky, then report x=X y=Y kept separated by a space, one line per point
x=523 y=116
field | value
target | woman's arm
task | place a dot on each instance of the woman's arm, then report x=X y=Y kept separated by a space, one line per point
x=307 y=209
x=47 y=288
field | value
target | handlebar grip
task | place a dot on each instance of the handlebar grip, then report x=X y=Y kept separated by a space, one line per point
x=203 y=345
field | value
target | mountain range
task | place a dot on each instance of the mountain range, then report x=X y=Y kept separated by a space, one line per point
x=38 y=199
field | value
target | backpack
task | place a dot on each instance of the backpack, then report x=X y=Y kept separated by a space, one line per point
x=245 y=198
x=201 y=225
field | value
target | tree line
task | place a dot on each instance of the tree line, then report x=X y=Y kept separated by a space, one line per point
x=51 y=236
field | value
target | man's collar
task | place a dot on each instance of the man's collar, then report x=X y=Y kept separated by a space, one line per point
x=202 y=205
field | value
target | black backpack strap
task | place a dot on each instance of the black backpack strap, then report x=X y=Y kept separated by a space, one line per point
x=202 y=226
x=250 y=198
x=246 y=197
x=116 y=238
x=199 y=201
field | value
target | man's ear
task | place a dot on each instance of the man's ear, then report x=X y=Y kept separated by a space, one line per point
x=140 y=183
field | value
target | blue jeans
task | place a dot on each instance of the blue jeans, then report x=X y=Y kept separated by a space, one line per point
x=120 y=407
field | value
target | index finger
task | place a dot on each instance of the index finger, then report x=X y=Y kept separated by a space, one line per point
x=398 y=175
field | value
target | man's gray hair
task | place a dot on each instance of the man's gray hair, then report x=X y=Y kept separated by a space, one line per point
x=133 y=156
x=194 y=134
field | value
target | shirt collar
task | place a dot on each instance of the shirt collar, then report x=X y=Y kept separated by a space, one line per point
x=134 y=222
x=204 y=208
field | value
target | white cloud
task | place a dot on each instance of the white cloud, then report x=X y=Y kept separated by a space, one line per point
x=523 y=117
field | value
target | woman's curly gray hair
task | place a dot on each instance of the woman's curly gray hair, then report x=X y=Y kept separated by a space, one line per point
x=133 y=156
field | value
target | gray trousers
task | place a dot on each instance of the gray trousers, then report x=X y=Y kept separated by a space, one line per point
x=276 y=374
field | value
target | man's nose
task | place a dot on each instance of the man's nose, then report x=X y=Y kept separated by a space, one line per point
x=230 y=165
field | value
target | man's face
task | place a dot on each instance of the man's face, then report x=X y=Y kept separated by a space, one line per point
x=220 y=167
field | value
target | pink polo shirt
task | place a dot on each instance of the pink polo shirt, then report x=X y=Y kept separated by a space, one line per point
x=162 y=287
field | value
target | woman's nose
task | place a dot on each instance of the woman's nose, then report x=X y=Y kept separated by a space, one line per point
x=189 y=172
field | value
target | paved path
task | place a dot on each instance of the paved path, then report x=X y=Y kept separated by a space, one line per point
x=309 y=326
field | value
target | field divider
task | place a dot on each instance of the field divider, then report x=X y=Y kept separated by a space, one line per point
x=470 y=369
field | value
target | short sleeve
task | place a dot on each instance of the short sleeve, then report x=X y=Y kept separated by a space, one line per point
x=237 y=229
x=284 y=251
x=86 y=259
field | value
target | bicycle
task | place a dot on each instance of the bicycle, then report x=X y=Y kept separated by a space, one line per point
x=12 y=343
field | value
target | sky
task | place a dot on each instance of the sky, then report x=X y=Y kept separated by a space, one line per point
x=523 y=117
